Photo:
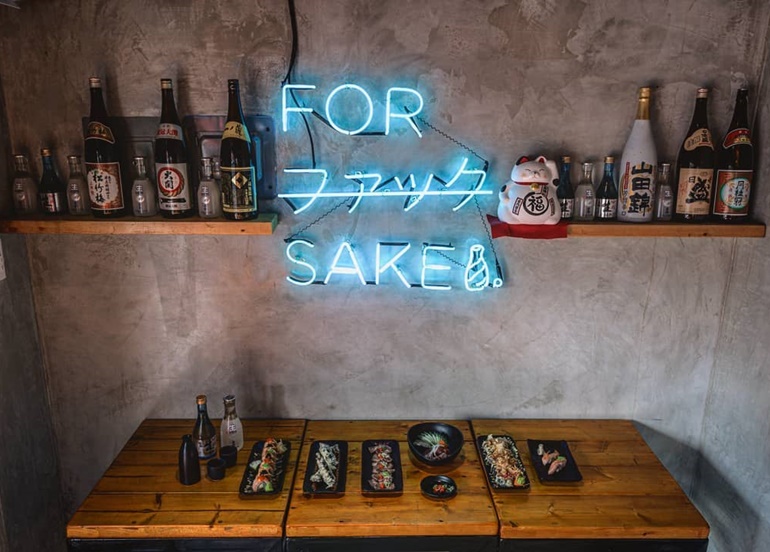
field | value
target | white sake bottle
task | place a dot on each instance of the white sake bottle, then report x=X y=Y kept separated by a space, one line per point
x=636 y=181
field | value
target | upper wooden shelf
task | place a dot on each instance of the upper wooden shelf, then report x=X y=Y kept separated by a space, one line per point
x=264 y=225
x=664 y=230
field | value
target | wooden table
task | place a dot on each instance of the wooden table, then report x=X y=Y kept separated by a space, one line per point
x=139 y=503
x=410 y=522
x=626 y=500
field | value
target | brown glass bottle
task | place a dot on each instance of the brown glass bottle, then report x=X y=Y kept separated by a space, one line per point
x=102 y=160
x=735 y=167
x=174 y=187
x=695 y=167
x=239 y=183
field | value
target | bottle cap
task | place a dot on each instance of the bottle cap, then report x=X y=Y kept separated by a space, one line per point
x=232 y=82
x=609 y=159
x=73 y=158
x=588 y=165
x=703 y=92
x=45 y=152
x=20 y=157
x=201 y=399
x=665 y=165
x=165 y=84
x=566 y=159
x=644 y=93
x=229 y=399
x=95 y=82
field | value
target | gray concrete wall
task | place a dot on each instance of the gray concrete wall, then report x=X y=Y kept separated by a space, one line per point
x=30 y=495
x=136 y=326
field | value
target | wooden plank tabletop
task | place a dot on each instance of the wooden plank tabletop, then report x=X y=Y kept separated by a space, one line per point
x=626 y=493
x=139 y=496
x=470 y=513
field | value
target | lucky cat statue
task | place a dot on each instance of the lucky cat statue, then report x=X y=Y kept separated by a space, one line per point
x=530 y=196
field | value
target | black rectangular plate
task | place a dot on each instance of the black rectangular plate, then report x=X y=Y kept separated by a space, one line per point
x=366 y=468
x=249 y=474
x=568 y=474
x=307 y=486
x=488 y=469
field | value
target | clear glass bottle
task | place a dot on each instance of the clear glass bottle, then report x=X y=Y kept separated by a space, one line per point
x=585 y=200
x=231 y=431
x=78 y=199
x=24 y=187
x=664 y=202
x=142 y=191
x=204 y=434
x=209 y=200
x=607 y=192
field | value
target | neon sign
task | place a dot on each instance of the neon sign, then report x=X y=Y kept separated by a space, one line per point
x=313 y=183
x=347 y=263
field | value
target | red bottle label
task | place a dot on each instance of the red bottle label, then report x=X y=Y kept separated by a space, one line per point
x=736 y=137
x=169 y=132
x=174 y=192
x=733 y=189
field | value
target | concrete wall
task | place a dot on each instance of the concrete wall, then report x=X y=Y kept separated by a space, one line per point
x=135 y=327
x=30 y=496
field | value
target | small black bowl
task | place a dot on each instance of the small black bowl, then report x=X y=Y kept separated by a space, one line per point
x=451 y=435
x=427 y=486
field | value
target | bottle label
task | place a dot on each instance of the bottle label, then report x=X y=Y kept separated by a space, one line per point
x=698 y=139
x=737 y=137
x=169 y=132
x=173 y=187
x=606 y=208
x=694 y=191
x=52 y=202
x=99 y=131
x=206 y=447
x=733 y=189
x=239 y=190
x=637 y=190
x=234 y=129
x=567 y=208
x=104 y=186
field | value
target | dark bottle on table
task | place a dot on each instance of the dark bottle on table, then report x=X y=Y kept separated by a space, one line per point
x=607 y=192
x=204 y=435
x=174 y=190
x=189 y=466
x=52 y=191
x=102 y=160
x=564 y=192
x=735 y=167
x=695 y=167
x=239 y=183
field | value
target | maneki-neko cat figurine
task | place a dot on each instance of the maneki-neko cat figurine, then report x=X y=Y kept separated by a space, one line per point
x=530 y=196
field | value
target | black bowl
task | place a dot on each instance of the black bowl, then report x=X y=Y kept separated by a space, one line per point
x=428 y=483
x=452 y=436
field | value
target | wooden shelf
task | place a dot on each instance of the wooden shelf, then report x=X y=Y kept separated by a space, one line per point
x=264 y=225
x=664 y=230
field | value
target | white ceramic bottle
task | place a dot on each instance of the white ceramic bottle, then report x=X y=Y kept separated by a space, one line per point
x=636 y=182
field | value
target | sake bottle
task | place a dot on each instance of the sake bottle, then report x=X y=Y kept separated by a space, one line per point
x=735 y=166
x=607 y=192
x=564 y=192
x=77 y=190
x=585 y=202
x=52 y=191
x=204 y=434
x=102 y=157
x=695 y=166
x=174 y=188
x=636 y=186
x=239 y=182
x=24 y=187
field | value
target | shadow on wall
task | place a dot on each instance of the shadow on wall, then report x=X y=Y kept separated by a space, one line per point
x=733 y=520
